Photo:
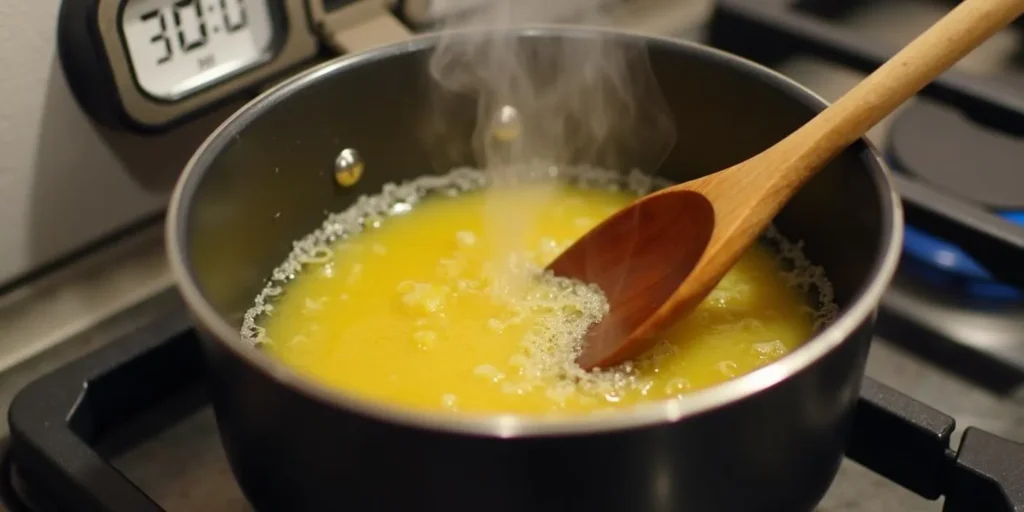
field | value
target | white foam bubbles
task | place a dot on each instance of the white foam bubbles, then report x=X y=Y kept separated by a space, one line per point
x=565 y=309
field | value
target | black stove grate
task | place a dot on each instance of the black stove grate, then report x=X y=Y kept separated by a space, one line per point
x=66 y=426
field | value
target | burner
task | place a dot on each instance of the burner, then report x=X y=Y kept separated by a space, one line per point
x=947 y=149
x=1015 y=217
x=942 y=147
x=944 y=265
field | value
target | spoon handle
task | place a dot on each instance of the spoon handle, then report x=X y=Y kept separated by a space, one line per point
x=897 y=80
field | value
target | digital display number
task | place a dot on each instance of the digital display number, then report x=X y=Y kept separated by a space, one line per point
x=179 y=46
x=190 y=26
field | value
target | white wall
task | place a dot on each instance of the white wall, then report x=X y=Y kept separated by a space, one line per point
x=63 y=181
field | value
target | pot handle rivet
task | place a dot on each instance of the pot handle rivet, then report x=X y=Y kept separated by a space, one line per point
x=506 y=124
x=348 y=167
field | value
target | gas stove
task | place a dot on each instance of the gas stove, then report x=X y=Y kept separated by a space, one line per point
x=114 y=418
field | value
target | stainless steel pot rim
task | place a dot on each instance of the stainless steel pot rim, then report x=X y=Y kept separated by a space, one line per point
x=647 y=414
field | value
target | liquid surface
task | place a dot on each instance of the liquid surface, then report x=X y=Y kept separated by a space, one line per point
x=431 y=310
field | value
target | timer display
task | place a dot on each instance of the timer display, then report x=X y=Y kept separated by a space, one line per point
x=176 y=47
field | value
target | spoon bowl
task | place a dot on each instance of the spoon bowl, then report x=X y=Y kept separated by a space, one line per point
x=676 y=226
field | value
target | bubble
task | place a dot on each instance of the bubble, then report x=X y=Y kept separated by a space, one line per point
x=805 y=276
x=676 y=386
x=298 y=340
x=488 y=372
x=423 y=298
x=425 y=340
x=769 y=350
x=448 y=400
x=465 y=238
x=312 y=306
x=496 y=325
x=727 y=368
x=468 y=285
x=327 y=270
x=310 y=255
x=355 y=273
x=560 y=392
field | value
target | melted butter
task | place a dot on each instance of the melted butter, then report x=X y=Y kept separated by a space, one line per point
x=430 y=310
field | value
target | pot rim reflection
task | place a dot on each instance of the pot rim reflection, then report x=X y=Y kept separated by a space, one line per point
x=651 y=413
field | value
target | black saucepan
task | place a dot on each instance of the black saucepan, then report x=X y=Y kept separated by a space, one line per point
x=770 y=440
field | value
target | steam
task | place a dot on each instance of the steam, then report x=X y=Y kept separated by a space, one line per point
x=548 y=98
x=558 y=100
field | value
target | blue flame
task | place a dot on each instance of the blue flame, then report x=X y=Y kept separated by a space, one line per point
x=960 y=268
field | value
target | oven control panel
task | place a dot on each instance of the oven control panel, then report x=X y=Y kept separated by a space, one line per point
x=151 y=65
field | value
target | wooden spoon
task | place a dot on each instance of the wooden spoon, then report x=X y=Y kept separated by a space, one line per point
x=658 y=258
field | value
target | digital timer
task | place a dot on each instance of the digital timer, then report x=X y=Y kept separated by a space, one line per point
x=177 y=46
x=150 y=65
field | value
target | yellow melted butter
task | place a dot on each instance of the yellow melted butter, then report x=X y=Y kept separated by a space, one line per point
x=424 y=311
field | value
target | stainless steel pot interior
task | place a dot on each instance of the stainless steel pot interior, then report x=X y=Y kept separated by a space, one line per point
x=264 y=178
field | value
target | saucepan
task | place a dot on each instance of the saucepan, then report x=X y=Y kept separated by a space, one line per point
x=769 y=440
